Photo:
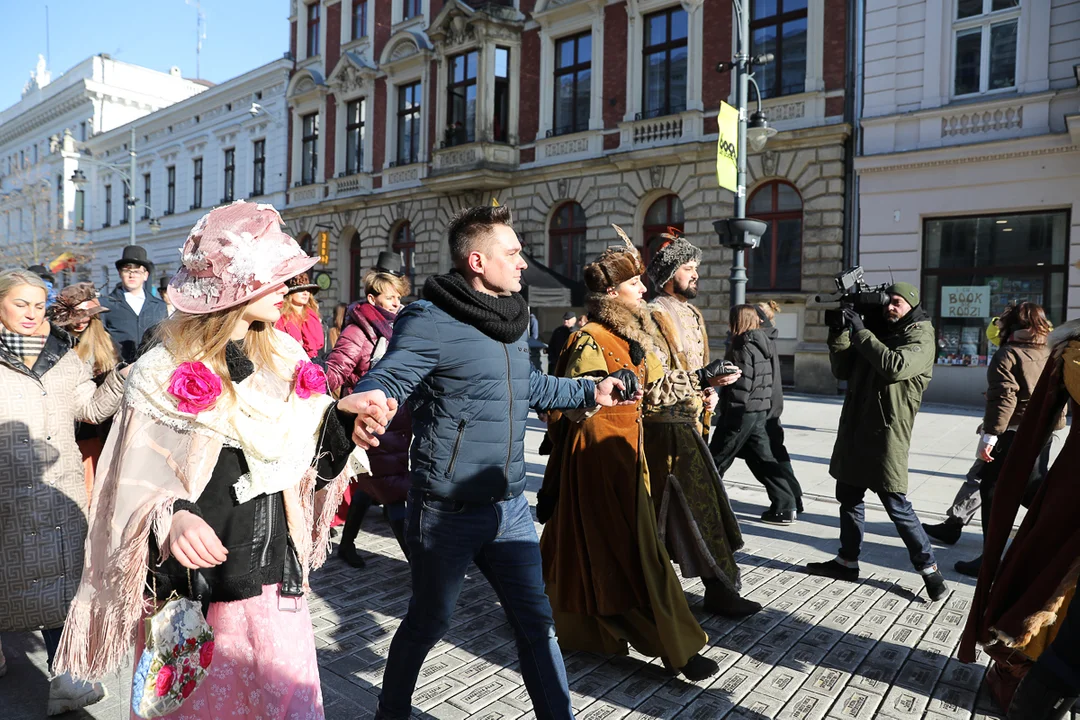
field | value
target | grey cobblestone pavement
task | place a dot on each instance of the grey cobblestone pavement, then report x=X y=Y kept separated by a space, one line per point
x=819 y=650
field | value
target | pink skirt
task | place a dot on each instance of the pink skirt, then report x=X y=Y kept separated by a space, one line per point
x=264 y=665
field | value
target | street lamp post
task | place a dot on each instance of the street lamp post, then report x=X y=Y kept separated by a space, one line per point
x=78 y=178
x=739 y=232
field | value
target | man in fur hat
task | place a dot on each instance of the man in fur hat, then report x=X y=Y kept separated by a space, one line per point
x=694 y=516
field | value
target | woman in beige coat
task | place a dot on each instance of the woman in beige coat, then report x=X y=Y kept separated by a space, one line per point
x=44 y=389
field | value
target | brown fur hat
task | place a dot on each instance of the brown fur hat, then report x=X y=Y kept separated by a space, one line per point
x=616 y=265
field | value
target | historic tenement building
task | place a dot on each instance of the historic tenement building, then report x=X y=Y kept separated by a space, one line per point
x=969 y=180
x=577 y=114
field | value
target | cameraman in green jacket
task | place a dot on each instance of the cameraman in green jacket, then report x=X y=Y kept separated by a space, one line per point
x=886 y=372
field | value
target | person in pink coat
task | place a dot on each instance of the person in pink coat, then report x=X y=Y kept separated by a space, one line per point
x=300 y=315
x=369 y=326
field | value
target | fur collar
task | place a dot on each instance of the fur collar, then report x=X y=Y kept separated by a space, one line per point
x=631 y=324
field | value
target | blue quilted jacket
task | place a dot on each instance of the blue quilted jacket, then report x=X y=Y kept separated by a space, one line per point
x=469 y=396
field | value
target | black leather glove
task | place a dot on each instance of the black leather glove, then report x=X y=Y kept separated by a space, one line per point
x=630 y=384
x=854 y=320
x=717 y=368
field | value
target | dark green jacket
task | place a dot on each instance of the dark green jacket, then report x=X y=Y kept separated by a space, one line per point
x=886 y=378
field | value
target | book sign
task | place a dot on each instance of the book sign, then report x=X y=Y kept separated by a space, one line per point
x=965 y=301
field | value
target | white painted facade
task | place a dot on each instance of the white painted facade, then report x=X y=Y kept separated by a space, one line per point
x=932 y=151
x=91 y=98
x=202 y=128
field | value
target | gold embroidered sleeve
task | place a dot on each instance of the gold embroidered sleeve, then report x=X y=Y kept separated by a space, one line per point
x=586 y=360
x=670 y=388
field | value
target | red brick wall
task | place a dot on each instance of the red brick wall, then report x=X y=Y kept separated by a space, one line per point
x=329 y=142
x=378 y=143
x=529 y=105
x=332 y=51
x=435 y=134
x=834 y=106
x=835 y=45
x=292 y=38
x=614 y=70
x=382 y=27
x=715 y=86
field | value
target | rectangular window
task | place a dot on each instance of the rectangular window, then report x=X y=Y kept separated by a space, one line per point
x=779 y=27
x=573 y=84
x=146 y=196
x=408 y=124
x=82 y=131
x=309 y=151
x=461 y=100
x=411 y=9
x=974 y=267
x=170 y=196
x=665 y=63
x=313 y=29
x=359 y=19
x=354 y=137
x=258 y=183
x=985 y=33
x=108 y=206
x=80 y=210
x=196 y=195
x=501 y=121
x=127 y=204
x=230 y=175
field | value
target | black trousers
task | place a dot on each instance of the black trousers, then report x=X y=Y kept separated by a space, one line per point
x=988 y=474
x=749 y=439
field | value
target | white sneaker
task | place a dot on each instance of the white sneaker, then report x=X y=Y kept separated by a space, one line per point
x=67 y=694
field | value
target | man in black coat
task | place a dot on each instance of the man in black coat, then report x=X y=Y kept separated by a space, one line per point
x=559 y=336
x=132 y=310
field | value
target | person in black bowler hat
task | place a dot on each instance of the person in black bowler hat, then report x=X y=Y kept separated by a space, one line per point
x=133 y=310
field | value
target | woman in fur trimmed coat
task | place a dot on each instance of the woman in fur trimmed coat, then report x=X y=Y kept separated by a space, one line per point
x=608 y=576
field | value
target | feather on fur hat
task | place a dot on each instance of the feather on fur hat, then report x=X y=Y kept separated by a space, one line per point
x=615 y=265
x=672 y=255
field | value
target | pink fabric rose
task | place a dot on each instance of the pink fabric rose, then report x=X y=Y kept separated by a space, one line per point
x=164 y=680
x=206 y=654
x=187 y=689
x=195 y=386
x=310 y=380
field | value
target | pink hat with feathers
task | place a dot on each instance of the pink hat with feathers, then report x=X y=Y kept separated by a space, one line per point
x=235 y=254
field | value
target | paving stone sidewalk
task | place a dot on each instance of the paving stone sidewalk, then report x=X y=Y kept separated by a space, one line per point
x=820 y=648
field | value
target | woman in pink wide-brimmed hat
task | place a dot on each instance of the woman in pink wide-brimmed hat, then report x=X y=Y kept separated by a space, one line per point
x=214 y=480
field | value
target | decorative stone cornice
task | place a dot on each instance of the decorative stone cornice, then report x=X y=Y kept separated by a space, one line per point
x=964 y=159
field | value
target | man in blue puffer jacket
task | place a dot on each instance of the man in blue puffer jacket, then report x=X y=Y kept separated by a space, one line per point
x=461 y=359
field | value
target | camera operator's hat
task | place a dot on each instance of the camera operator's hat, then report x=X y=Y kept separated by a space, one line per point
x=905 y=290
x=675 y=252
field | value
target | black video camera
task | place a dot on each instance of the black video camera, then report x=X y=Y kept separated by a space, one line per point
x=853 y=292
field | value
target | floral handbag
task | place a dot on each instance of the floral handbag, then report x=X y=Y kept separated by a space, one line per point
x=179 y=650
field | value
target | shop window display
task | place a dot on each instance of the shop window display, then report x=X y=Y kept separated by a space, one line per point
x=974 y=267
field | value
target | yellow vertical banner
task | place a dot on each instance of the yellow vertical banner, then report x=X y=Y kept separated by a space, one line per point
x=727 y=148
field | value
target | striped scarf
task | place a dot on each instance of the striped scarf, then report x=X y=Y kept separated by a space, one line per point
x=23 y=346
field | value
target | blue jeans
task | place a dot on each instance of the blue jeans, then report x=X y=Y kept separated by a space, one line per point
x=444 y=538
x=853 y=515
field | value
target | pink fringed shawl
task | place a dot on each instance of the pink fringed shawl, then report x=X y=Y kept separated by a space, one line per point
x=150 y=460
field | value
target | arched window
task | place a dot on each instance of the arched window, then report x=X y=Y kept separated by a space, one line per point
x=566 y=236
x=777 y=262
x=306 y=243
x=666 y=212
x=356 y=269
x=404 y=243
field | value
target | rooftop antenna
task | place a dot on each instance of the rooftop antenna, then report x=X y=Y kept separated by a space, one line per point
x=200 y=33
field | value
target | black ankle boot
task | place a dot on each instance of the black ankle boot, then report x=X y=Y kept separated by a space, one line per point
x=1040 y=696
x=698 y=668
x=947 y=532
x=723 y=600
x=358 y=507
x=398 y=528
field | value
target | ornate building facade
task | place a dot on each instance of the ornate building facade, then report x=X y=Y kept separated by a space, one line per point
x=577 y=114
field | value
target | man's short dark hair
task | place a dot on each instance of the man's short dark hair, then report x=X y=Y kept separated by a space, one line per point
x=471 y=225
